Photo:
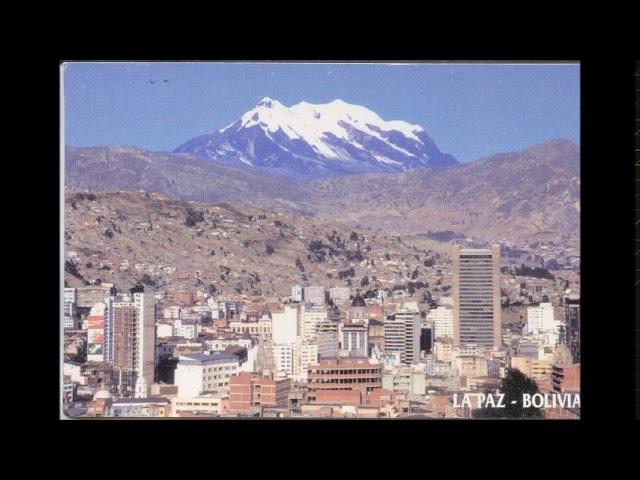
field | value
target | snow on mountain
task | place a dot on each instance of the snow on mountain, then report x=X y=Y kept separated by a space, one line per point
x=308 y=141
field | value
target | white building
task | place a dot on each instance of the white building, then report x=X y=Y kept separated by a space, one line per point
x=354 y=340
x=312 y=316
x=306 y=354
x=283 y=358
x=185 y=329
x=213 y=403
x=314 y=295
x=70 y=302
x=164 y=330
x=285 y=325
x=540 y=318
x=339 y=294
x=442 y=318
x=201 y=372
x=296 y=293
x=172 y=312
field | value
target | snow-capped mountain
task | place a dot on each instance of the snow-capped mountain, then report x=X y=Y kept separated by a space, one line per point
x=308 y=141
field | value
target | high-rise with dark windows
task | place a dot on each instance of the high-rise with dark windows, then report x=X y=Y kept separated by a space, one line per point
x=476 y=296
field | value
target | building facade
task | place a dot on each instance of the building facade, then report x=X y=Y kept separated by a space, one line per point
x=477 y=306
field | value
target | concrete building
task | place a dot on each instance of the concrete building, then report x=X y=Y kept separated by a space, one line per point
x=197 y=373
x=70 y=308
x=95 y=333
x=402 y=334
x=355 y=340
x=312 y=316
x=164 y=330
x=296 y=293
x=315 y=295
x=471 y=366
x=210 y=404
x=358 y=312
x=572 y=325
x=185 y=329
x=406 y=380
x=476 y=296
x=339 y=294
x=252 y=391
x=328 y=343
x=538 y=369
x=88 y=296
x=130 y=336
x=540 y=318
x=442 y=318
x=284 y=358
x=284 y=326
x=343 y=374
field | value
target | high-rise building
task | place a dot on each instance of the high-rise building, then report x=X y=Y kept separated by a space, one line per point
x=284 y=328
x=540 y=318
x=426 y=336
x=402 y=334
x=95 y=333
x=70 y=303
x=477 y=309
x=130 y=335
x=442 y=318
x=572 y=325
x=312 y=316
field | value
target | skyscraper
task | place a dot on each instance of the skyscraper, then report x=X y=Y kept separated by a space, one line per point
x=402 y=334
x=572 y=325
x=476 y=296
x=131 y=339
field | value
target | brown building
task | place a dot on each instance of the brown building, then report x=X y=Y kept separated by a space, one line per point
x=375 y=312
x=565 y=378
x=343 y=374
x=253 y=390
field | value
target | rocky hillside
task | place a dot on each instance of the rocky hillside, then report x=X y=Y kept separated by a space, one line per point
x=131 y=238
x=515 y=196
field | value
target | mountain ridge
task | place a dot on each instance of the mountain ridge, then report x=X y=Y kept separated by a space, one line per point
x=307 y=141
x=511 y=195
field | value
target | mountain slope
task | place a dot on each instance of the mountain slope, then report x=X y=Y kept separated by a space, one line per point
x=179 y=176
x=308 y=141
x=510 y=195
x=131 y=237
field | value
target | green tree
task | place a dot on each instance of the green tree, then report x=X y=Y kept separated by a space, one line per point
x=513 y=386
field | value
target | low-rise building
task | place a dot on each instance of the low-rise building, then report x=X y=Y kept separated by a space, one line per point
x=201 y=372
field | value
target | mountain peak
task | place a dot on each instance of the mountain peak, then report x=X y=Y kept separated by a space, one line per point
x=267 y=102
x=314 y=140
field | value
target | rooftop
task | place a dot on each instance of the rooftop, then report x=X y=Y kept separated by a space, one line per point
x=202 y=358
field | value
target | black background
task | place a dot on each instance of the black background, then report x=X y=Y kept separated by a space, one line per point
x=605 y=48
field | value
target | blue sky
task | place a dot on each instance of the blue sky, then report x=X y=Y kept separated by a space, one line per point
x=469 y=110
